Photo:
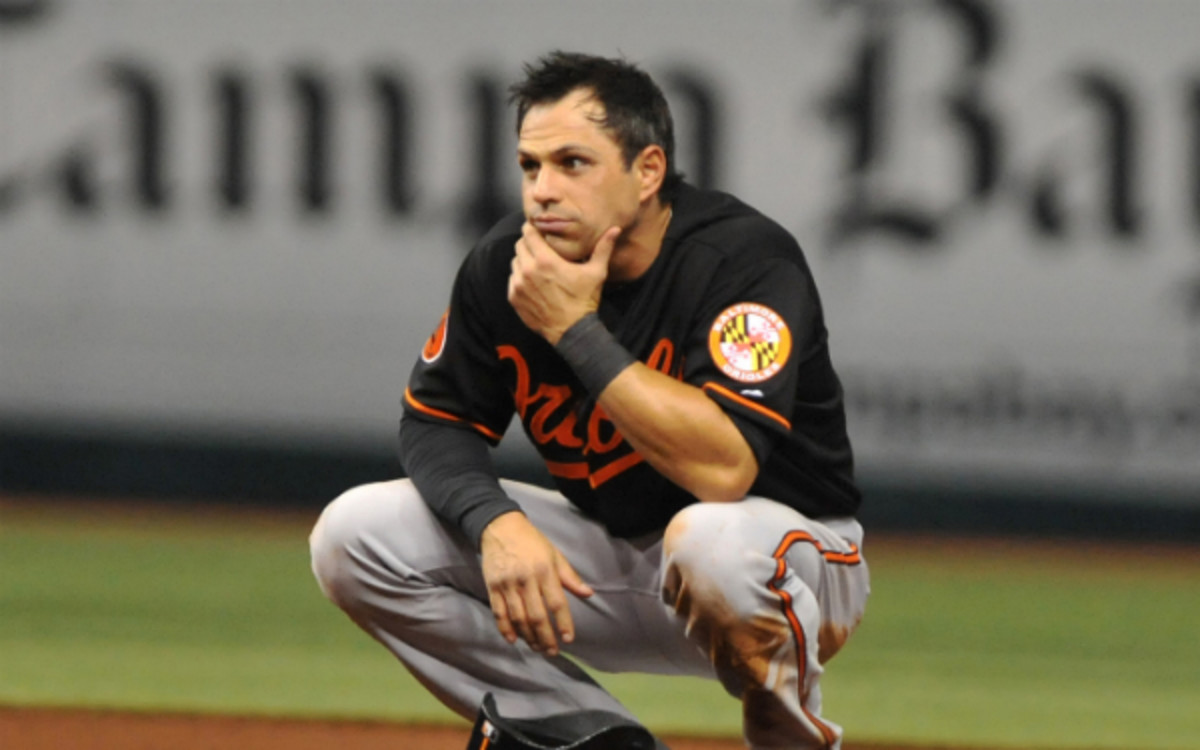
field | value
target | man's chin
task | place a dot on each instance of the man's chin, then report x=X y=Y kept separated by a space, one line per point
x=568 y=249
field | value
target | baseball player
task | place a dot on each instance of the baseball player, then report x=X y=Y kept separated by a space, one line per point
x=665 y=350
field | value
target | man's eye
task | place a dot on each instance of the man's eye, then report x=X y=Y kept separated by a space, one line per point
x=528 y=165
x=573 y=162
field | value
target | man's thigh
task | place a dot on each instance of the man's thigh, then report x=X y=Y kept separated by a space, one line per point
x=624 y=625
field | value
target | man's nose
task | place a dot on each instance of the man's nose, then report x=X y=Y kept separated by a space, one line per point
x=545 y=187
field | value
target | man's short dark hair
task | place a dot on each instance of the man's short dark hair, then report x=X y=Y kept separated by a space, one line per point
x=635 y=111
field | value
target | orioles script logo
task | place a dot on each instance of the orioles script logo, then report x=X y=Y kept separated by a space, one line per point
x=549 y=415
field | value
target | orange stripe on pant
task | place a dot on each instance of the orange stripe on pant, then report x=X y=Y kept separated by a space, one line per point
x=851 y=557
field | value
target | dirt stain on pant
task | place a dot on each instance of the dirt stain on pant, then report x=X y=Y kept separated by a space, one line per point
x=745 y=653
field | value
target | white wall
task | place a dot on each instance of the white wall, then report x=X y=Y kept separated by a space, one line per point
x=1018 y=295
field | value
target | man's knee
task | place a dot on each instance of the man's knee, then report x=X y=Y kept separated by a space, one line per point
x=339 y=537
x=722 y=551
x=701 y=547
x=702 y=538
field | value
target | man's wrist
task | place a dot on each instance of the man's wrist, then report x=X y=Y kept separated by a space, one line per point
x=475 y=521
x=593 y=353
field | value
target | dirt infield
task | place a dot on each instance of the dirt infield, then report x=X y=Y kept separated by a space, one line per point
x=62 y=729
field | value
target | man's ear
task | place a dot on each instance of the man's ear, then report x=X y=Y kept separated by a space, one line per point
x=651 y=168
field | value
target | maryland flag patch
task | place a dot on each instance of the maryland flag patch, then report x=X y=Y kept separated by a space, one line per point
x=749 y=342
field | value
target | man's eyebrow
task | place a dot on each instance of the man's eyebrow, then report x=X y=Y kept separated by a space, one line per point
x=570 y=148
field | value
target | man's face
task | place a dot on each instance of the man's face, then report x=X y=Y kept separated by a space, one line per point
x=575 y=184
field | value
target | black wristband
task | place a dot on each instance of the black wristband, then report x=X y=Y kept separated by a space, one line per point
x=593 y=353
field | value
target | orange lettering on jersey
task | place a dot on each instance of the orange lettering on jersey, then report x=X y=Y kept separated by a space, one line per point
x=564 y=432
x=622 y=464
x=577 y=470
x=553 y=396
x=596 y=442
x=601 y=435
x=660 y=358
x=521 y=396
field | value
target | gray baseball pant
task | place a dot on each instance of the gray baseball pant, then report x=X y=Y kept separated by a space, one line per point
x=752 y=593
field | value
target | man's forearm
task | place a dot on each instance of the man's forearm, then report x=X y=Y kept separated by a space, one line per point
x=678 y=429
x=682 y=433
x=453 y=471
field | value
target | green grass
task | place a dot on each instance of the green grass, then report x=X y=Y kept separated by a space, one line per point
x=221 y=618
x=205 y=621
x=1065 y=659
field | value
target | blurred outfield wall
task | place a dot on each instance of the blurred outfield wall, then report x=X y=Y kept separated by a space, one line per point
x=227 y=226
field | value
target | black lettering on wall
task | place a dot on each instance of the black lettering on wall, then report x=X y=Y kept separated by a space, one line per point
x=146 y=117
x=13 y=12
x=485 y=197
x=1116 y=126
x=314 y=156
x=1119 y=149
x=10 y=189
x=233 y=123
x=1193 y=129
x=394 y=109
x=77 y=180
x=857 y=109
x=703 y=116
x=977 y=125
x=863 y=109
x=10 y=192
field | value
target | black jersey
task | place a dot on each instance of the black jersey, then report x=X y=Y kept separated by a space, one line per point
x=729 y=306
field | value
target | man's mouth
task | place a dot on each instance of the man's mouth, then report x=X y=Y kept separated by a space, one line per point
x=551 y=224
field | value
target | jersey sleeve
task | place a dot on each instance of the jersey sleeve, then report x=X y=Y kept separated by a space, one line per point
x=750 y=343
x=456 y=380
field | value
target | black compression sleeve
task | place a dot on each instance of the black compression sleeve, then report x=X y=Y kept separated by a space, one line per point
x=593 y=353
x=453 y=471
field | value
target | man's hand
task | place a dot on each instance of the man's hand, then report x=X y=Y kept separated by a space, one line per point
x=551 y=293
x=525 y=575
